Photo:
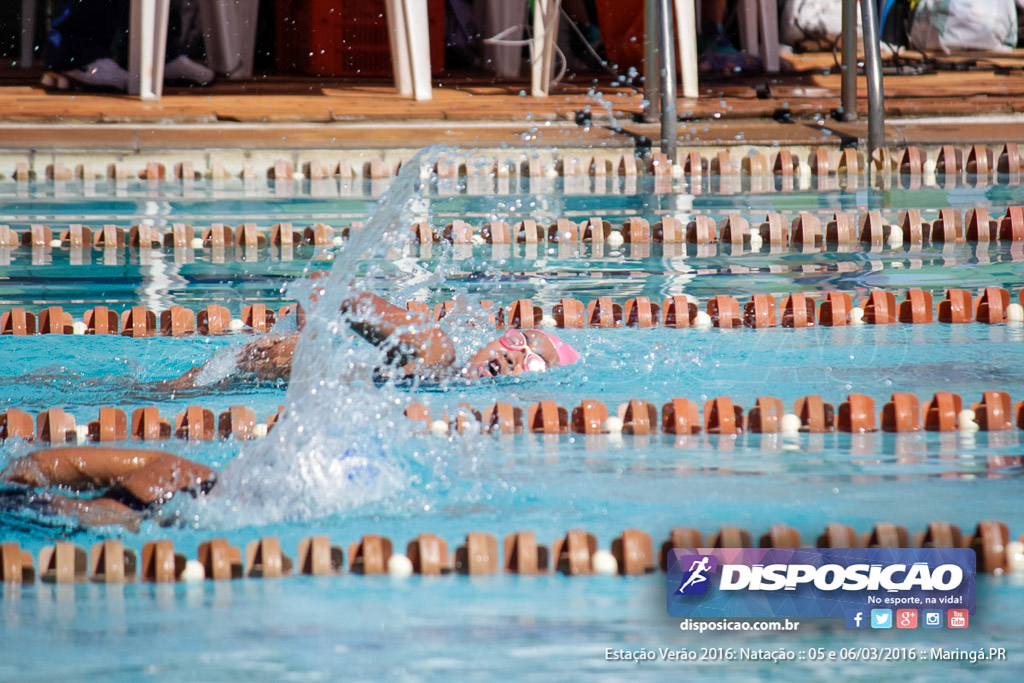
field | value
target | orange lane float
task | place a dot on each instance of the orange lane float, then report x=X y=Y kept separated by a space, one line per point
x=573 y=552
x=317 y=557
x=902 y=413
x=766 y=415
x=547 y=417
x=160 y=564
x=815 y=415
x=730 y=537
x=221 y=561
x=760 y=312
x=589 y=417
x=16 y=424
x=994 y=412
x=798 y=311
x=634 y=553
x=917 y=308
x=680 y=416
x=63 y=562
x=940 y=413
x=55 y=426
x=880 y=308
x=885 y=535
x=15 y=564
x=264 y=559
x=721 y=416
x=939 y=535
x=111 y=562
x=857 y=414
x=429 y=555
x=679 y=537
x=835 y=310
x=370 y=555
x=523 y=555
x=638 y=417
x=780 y=536
x=989 y=542
x=477 y=555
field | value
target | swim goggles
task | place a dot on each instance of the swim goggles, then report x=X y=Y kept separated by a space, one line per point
x=515 y=340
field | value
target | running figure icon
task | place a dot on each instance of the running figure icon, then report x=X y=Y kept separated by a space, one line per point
x=698 y=570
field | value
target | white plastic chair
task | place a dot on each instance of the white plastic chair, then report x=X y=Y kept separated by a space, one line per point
x=759 y=31
x=147 y=46
x=409 y=39
x=503 y=20
x=542 y=50
x=28 y=32
x=229 y=33
x=686 y=38
x=545 y=29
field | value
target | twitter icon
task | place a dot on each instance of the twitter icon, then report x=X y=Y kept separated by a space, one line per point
x=881 y=618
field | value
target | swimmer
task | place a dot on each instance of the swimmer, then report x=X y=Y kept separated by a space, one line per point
x=411 y=341
x=134 y=483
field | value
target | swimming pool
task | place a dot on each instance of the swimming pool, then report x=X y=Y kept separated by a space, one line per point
x=481 y=627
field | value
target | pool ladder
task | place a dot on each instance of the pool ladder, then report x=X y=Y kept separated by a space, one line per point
x=658 y=21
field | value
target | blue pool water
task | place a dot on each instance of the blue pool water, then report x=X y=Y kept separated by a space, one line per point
x=303 y=479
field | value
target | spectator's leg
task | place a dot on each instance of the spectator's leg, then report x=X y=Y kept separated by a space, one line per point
x=712 y=30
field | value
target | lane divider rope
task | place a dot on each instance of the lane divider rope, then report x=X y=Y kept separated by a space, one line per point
x=577 y=553
x=944 y=412
x=946 y=162
x=806 y=231
x=992 y=306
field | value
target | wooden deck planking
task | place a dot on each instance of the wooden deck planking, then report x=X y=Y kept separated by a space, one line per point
x=465 y=111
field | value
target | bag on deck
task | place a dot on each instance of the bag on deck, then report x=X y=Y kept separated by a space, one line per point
x=952 y=25
x=819 y=21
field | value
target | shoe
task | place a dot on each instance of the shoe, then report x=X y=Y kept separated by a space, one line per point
x=712 y=38
x=103 y=73
x=714 y=61
x=184 y=70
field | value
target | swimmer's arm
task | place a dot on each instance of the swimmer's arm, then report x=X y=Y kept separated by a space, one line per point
x=268 y=357
x=186 y=381
x=427 y=346
x=97 y=511
x=77 y=468
x=146 y=475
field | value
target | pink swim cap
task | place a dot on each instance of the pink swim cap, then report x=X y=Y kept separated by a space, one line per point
x=567 y=355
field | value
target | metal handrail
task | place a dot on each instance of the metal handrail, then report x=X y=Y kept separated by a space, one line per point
x=652 y=92
x=659 y=54
x=872 y=71
x=669 y=120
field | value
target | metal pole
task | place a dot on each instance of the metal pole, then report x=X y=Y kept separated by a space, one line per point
x=873 y=71
x=651 y=38
x=849 y=65
x=669 y=120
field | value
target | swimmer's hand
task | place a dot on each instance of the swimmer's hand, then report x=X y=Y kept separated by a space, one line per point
x=410 y=339
x=268 y=357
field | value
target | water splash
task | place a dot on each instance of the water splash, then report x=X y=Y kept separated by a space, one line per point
x=342 y=441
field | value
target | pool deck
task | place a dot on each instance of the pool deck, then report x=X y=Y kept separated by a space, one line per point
x=977 y=98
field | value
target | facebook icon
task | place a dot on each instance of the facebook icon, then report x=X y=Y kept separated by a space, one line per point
x=855 y=619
